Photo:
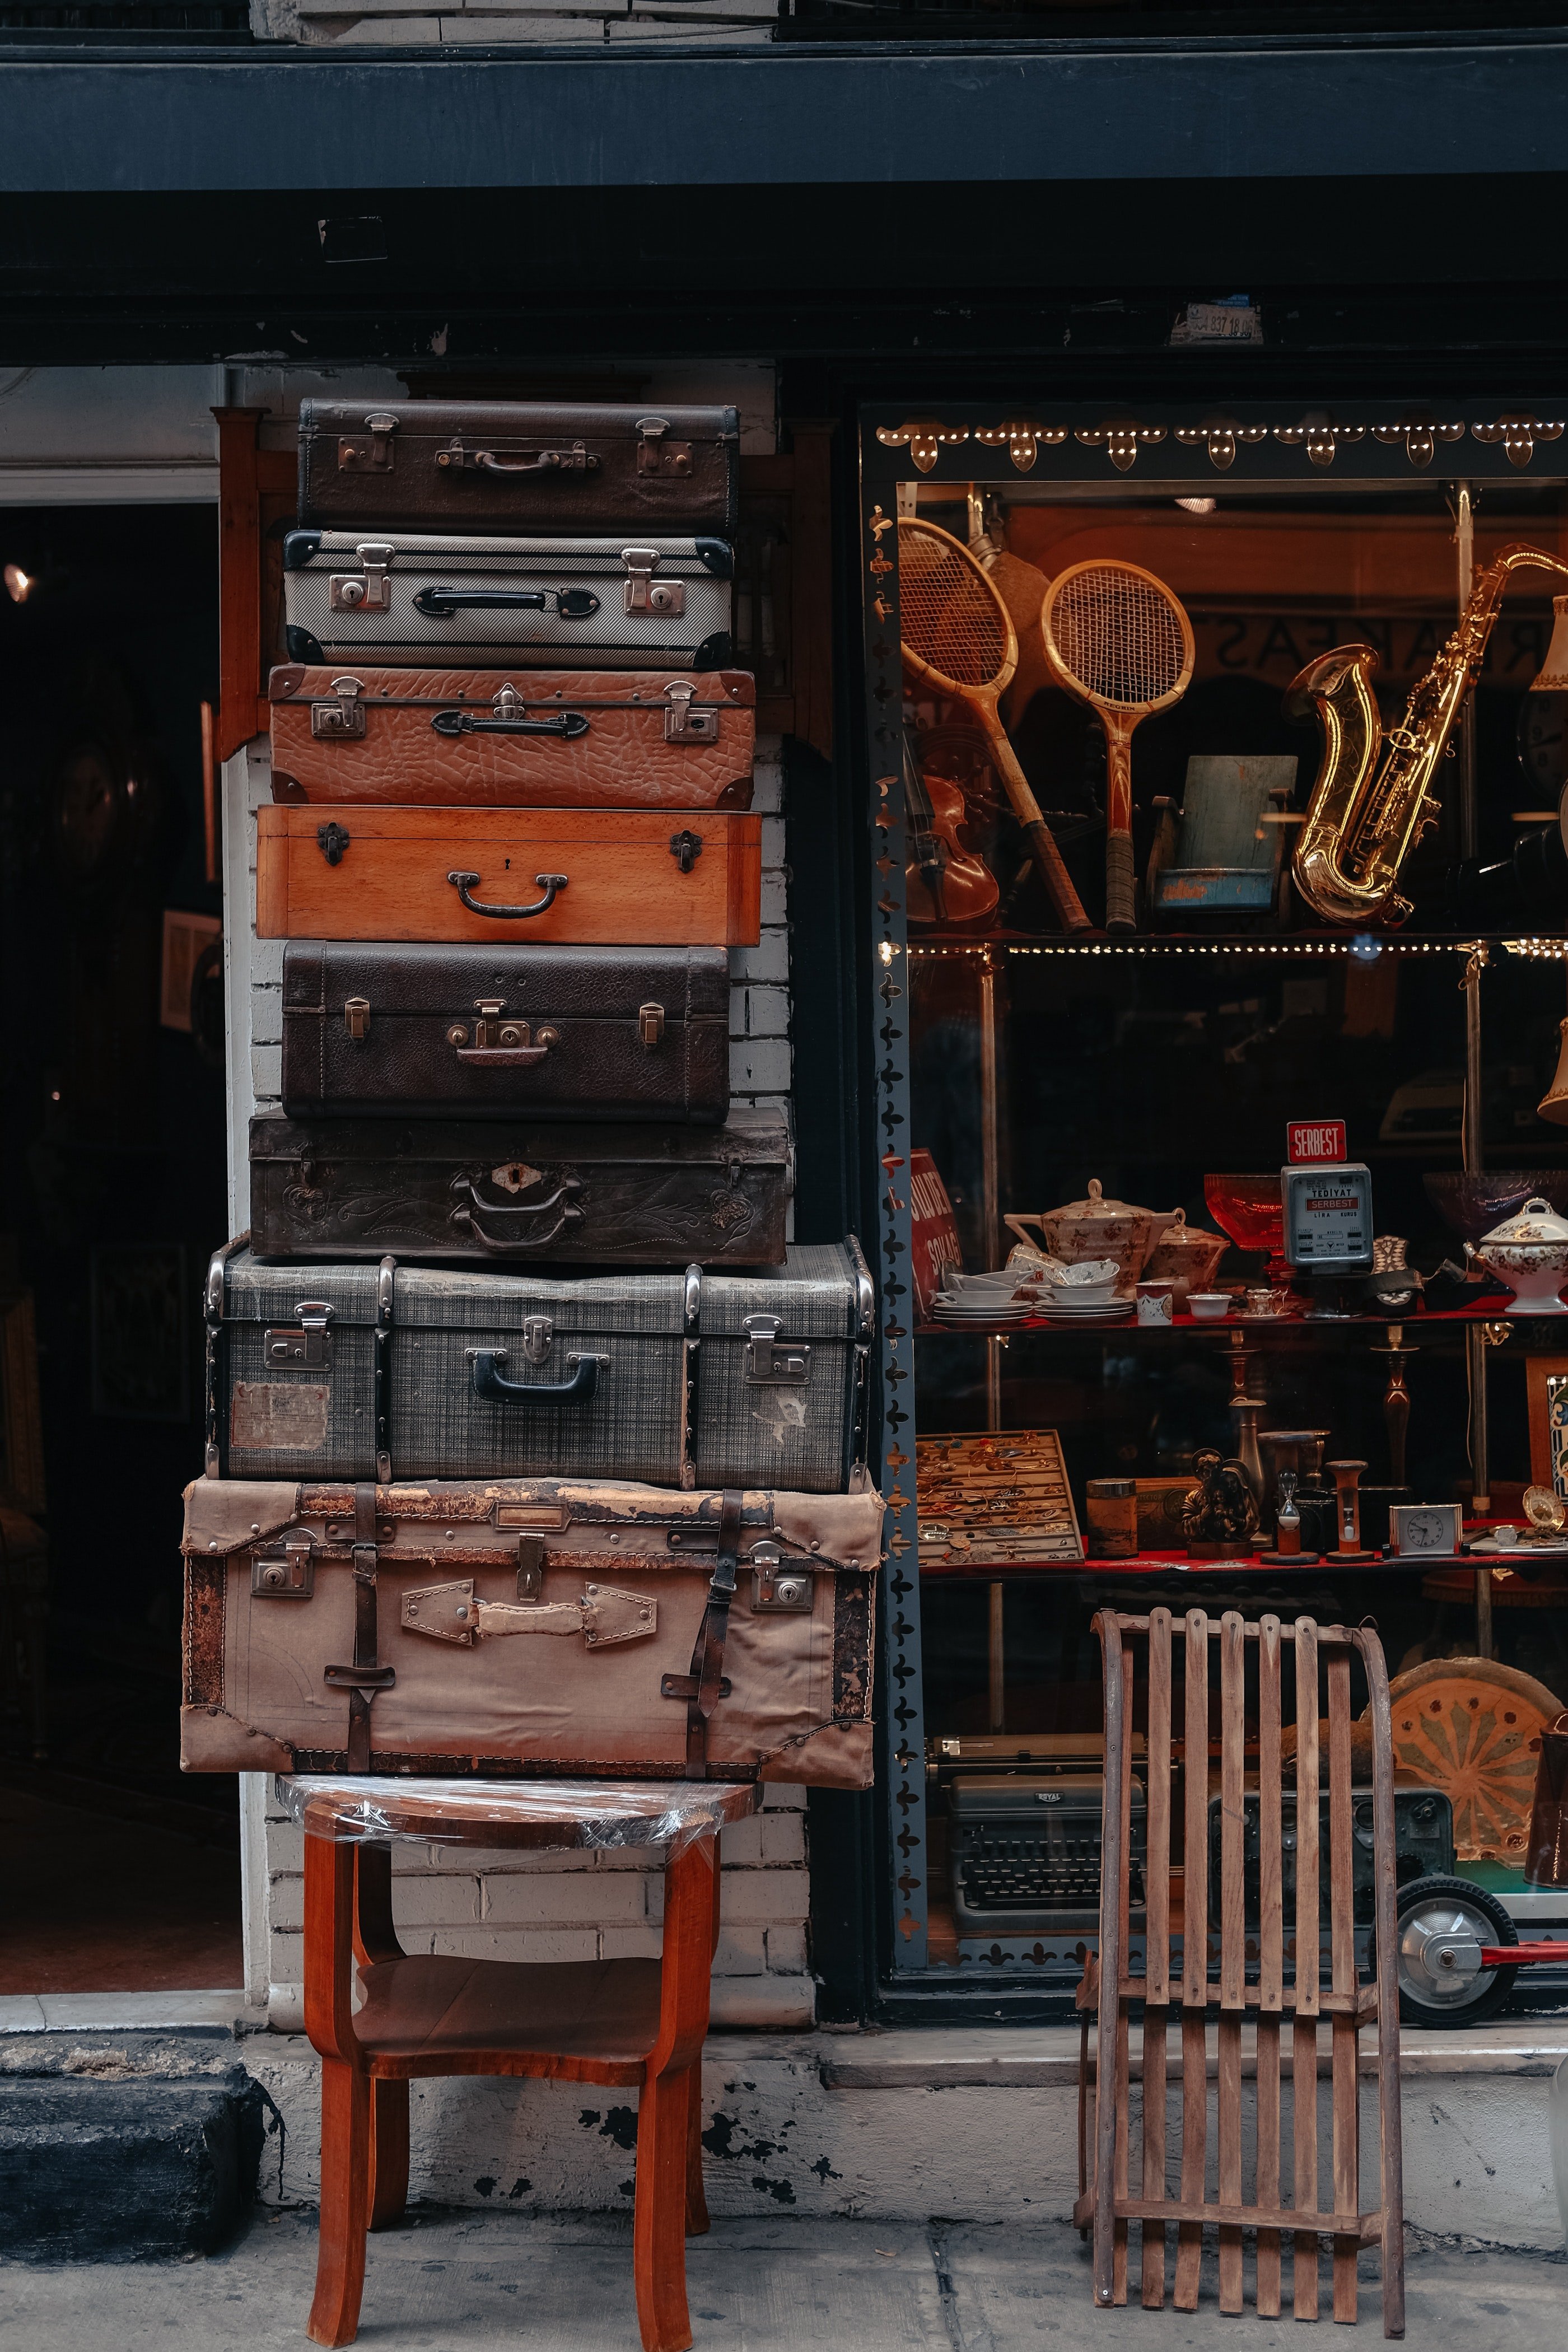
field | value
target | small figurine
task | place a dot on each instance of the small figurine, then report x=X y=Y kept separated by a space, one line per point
x=1218 y=1515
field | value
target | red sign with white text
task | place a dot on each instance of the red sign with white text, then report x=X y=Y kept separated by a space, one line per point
x=1311 y=1140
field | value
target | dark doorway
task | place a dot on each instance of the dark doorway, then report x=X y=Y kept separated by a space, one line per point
x=112 y=1194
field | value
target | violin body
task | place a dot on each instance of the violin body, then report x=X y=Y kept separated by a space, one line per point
x=944 y=882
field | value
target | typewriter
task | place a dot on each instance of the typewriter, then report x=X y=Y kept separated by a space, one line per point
x=1024 y=1837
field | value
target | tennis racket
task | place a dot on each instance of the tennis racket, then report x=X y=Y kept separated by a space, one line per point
x=1116 y=638
x=958 y=640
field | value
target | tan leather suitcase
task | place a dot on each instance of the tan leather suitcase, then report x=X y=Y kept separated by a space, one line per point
x=584 y=877
x=504 y=1627
x=499 y=738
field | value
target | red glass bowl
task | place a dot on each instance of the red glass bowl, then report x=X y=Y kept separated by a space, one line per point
x=1249 y=1210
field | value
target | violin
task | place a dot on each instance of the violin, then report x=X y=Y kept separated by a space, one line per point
x=944 y=882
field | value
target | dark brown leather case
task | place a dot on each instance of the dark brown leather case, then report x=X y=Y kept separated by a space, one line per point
x=399 y=1030
x=502 y=1191
x=489 y=466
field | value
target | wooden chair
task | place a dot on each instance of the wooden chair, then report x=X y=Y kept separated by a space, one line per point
x=636 y=2024
x=1166 y=1985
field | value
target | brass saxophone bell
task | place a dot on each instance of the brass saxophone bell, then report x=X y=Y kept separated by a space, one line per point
x=1553 y=1104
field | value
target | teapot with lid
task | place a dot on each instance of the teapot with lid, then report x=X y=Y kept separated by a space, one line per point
x=1528 y=1252
x=1096 y=1227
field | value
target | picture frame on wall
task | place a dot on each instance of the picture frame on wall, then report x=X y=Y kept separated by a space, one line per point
x=141 y=1353
x=1546 y=1390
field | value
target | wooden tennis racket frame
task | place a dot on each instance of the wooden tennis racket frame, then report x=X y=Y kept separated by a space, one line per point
x=1107 y=2202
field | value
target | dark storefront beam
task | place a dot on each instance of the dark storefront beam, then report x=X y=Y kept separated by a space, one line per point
x=1069 y=113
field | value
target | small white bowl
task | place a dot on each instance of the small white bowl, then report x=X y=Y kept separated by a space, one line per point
x=1208 y=1305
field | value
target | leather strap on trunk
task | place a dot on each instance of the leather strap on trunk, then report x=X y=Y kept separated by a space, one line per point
x=366 y=1677
x=705 y=1685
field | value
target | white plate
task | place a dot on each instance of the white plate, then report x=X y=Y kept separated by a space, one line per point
x=1113 y=1313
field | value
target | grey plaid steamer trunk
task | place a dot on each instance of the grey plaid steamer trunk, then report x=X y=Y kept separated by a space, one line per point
x=677 y=1380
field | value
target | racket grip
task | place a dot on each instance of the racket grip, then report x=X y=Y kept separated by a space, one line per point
x=1120 y=893
x=1048 y=863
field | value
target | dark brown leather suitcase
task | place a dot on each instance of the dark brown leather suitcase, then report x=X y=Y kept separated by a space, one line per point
x=529 y=739
x=473 y=465
x=532 y=1032
x=501 y=1192
x=507 y=1627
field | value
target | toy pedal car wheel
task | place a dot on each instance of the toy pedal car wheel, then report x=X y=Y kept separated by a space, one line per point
x=1441 y=1927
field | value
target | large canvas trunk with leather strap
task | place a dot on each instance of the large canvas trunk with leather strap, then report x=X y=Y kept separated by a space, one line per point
x=535 y=1032
x=487 y=464
x=691 y=1378
x=503 y=1627
x=543 y=739
x=499 y=1191
x=429 y=600
x=590 y=877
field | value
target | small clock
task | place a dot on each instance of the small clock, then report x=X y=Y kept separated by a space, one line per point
x=1423 y=1530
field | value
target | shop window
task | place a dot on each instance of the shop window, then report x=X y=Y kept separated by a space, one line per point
x=1207 y=849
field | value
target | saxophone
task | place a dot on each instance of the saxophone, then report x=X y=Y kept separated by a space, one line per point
x=1362 y=822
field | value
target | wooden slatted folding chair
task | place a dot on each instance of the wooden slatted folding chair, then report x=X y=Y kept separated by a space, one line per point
x=1182 y=1983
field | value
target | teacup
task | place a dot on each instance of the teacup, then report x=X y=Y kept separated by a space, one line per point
x=1156 y=1303
x=1208 y=1305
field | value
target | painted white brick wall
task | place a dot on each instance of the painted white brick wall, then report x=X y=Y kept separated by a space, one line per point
x=497 y=1906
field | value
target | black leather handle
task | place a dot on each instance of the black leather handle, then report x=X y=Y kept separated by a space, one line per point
x=549 y=883
x=490 y=1385
x=509 y=1230
x=571 y=604
x=568 y=724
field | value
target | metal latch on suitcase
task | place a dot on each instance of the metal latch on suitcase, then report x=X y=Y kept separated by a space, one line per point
x=501 y=1044
x=287 y=1574
x=778 y=1583
x=664 y=598
x=682 y=724
x=769 y=1363
x=343 y=720
x=656 y=454
x=370 y=452
x=308 y=1348
x=361 y=591
x=449 y=1613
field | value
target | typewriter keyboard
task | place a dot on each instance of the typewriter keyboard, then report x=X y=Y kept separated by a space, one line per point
x=1012 y=1874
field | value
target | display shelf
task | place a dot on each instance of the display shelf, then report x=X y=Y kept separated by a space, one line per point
x=1176 y=1563
x=1188 y=1326
x=1364 y=947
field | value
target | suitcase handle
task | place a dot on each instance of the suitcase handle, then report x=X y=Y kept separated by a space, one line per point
x=549 y=883
x=568 y=724
x=519 y=1227
x=571 y=604
x=547 y=461
x=493 y=1389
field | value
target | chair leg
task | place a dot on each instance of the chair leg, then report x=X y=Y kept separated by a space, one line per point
x=658 y=2237
x=345 y=2200
x=388 y=2152
x=697 y=2223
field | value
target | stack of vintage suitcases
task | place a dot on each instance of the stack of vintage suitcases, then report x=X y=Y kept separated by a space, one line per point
x=531 y=1447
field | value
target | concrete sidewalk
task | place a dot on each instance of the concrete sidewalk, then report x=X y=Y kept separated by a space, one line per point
x=479 y=2282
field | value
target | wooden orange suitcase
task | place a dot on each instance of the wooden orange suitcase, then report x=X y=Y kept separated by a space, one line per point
x=505 y=739
x=586 y=878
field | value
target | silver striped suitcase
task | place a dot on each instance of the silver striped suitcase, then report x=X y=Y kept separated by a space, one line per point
x=444 y=601
x=680 y=1379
